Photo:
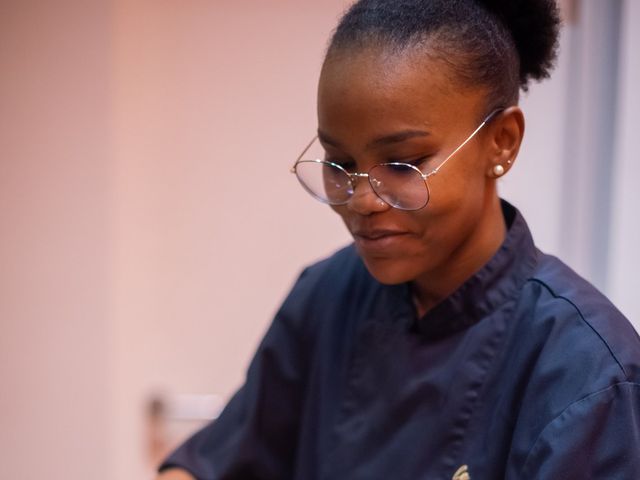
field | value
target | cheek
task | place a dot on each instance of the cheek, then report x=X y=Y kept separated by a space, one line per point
x=455 y=206
x=456 y=211
x=457 y=191
x=341 y=211
x=436 y=231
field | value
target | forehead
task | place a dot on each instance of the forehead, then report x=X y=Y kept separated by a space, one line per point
x=378 y=90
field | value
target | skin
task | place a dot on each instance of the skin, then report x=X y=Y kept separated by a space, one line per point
x=175 y=474
x=369 y=94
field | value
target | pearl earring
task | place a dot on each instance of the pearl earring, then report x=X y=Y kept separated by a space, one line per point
x=498 y=170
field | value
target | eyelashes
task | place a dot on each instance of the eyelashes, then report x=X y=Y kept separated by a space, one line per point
x=417 y=162
x=350 y=165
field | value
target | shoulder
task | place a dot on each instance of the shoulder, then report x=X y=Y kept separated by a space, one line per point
x=578 y=318
x=568 y=343
x=328 y=285
x=342 y=272
x=343 y=263
x=576 y=359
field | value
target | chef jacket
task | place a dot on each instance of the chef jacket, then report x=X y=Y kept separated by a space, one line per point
x=525 y=372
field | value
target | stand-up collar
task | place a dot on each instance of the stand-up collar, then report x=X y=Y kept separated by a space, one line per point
x=500 y=280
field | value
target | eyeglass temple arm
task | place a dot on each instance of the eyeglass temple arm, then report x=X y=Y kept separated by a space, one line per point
x=487 y=119
x=484 y=122
x=293 y=167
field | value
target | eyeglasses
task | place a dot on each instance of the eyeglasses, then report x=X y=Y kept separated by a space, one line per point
x=400 y=185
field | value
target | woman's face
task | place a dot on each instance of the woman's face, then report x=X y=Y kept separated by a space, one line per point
x=375 y=108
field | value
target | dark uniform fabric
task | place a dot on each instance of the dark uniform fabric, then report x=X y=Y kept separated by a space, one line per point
x=525 y=372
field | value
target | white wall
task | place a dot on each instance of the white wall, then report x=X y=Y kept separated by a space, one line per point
x=535 y=184
x=624 y=253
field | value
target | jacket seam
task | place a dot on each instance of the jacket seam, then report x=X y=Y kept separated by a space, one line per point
x=577 y=309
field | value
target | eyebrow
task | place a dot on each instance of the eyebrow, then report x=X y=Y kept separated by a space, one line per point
x=392 y=138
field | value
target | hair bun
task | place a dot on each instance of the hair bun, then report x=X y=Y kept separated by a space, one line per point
x=534 y=26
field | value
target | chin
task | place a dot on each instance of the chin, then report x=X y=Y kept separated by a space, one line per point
x=390 y=271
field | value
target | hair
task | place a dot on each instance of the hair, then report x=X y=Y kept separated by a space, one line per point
x=497 y=44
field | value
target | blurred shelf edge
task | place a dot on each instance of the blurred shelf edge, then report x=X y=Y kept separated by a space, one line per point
x=185 y=406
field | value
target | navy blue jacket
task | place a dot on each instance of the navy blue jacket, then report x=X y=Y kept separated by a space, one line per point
x=525 y=372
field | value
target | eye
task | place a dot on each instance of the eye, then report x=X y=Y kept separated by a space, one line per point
x=416 y=162
x=347 y=164
x=399 y=168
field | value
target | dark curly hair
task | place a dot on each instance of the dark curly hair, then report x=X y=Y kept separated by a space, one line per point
x=499 y=44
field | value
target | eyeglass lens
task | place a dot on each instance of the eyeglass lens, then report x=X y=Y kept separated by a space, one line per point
x=399 y=185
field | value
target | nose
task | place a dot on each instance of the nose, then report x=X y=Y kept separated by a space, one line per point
x=364 y=200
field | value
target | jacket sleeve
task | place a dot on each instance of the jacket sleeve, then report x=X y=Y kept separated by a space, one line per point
x=596 y=437
x=255 y=435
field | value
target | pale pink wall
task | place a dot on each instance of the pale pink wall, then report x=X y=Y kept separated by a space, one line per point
x=213 y=102
x=55 y=246
x=127 y=267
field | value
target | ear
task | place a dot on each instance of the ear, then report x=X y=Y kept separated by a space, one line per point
x=505 y=137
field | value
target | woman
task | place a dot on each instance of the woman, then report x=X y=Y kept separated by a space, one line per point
x=442 y=344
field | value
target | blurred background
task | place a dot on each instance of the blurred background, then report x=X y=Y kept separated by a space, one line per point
x=149 y=225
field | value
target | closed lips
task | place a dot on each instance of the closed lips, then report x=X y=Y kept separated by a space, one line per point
x=377 y=234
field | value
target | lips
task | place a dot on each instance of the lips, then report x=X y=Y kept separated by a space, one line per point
x=379 y=240
x=376 y=234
